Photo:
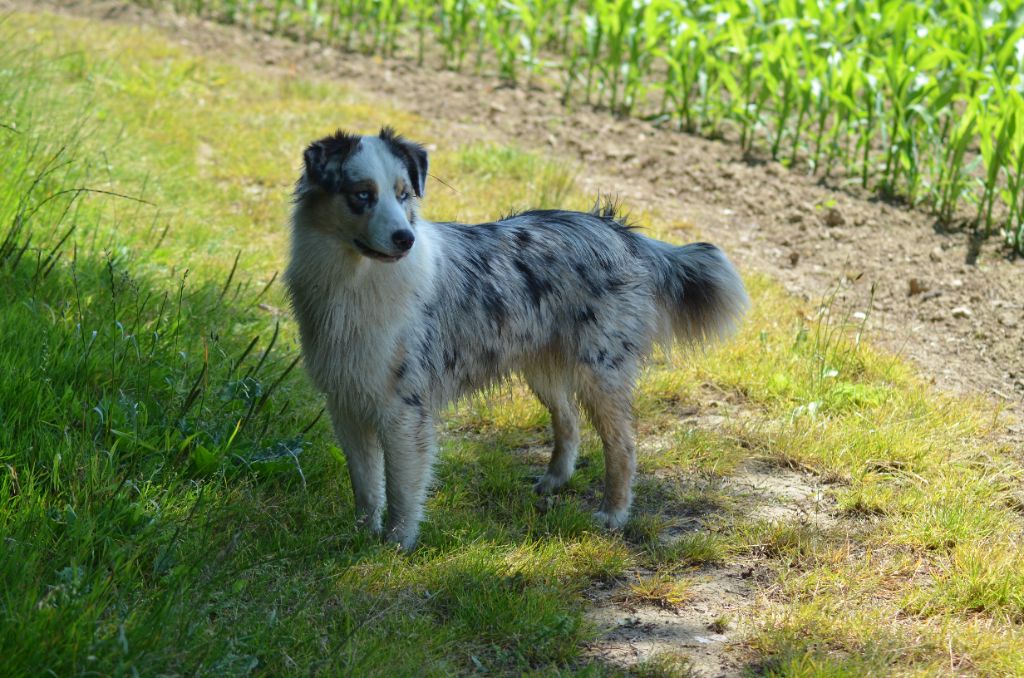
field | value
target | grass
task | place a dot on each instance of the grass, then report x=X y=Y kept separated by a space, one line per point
x=171 y=500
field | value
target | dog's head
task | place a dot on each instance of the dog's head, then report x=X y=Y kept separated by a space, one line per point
x=366 y=190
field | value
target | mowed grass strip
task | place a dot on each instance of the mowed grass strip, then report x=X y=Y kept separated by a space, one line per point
x=171 y=498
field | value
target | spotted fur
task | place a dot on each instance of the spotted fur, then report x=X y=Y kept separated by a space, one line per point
x=573 y=301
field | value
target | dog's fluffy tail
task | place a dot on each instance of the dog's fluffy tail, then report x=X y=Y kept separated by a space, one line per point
x=700 y=291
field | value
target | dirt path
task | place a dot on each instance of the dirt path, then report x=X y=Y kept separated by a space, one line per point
x=957 y=312
x=707 y=631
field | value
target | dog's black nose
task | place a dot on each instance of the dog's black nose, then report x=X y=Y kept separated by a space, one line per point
x=403 y=239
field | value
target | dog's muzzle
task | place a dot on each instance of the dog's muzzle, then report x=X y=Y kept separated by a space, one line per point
x=371 y=253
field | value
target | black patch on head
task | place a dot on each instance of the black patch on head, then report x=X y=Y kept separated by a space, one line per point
x=536 y=285
x=523 y=237
x=325 y=157
x=412 y=155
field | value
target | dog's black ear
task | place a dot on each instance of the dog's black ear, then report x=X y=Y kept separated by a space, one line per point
x=412 y=155
x=315 y=160
x=324 y=158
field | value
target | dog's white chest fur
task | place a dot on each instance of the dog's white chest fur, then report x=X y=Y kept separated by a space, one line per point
x=353 y=315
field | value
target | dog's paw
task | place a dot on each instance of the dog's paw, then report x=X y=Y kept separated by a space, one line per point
x=374 y=523
x=548 y=483
x=612 y=520
x=406 y=541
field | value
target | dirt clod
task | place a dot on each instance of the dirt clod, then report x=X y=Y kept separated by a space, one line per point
x=834 y=218
x=916 y=286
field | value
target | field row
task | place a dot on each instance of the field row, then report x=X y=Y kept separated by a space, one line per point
x=917 y=101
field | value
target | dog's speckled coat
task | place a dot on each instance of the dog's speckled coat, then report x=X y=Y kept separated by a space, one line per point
x=399 y=316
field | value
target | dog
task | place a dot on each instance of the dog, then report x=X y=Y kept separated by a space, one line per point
x=399 y=316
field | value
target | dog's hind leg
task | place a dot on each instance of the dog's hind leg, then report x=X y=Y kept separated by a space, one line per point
x=554 y=389
x=608 y=400
x=409 y=450
x=365 y=466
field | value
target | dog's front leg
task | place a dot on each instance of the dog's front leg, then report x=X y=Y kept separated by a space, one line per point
x=365 y=460
x=409 y=450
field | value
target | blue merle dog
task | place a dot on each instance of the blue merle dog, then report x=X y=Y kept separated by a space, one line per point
x=400 y=316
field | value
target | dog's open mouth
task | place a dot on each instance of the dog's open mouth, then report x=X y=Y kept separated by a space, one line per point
x=374 y=254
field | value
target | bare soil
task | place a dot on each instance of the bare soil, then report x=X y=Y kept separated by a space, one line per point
x=951 y=304
x=705 y=629
x=711 y=626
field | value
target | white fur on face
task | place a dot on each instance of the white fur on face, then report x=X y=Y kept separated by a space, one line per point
x=374 y=169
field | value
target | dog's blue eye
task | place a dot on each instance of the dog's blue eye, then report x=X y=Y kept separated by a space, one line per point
x=363 y=195
x=404 y=196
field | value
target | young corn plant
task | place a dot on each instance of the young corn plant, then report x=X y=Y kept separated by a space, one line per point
x=643 y=37
x=995 y=147
x=531 y=17
x=387 y=18
x=872 y=110
x=617 y=19
x=683 y=56
x=781 y=77
x=1011 y=194
x=593 y=40
x=453 y=30
x=493 y=20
